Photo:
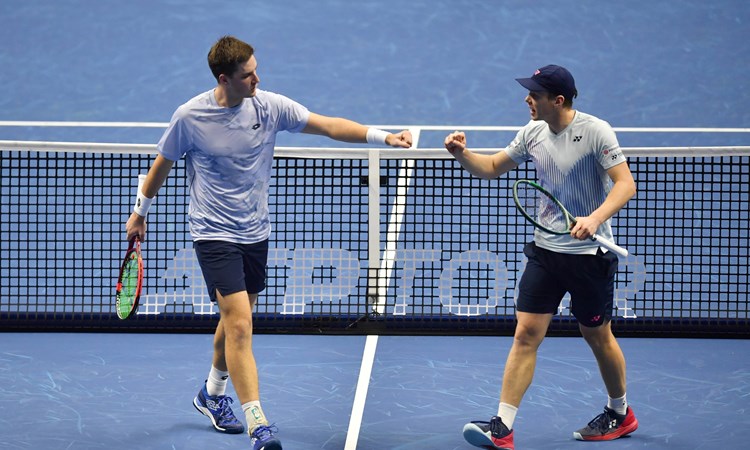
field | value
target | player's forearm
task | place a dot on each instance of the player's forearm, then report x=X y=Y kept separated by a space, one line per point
x=156 y=176
x=479 y=165
x=618 y=197
x=345 y=130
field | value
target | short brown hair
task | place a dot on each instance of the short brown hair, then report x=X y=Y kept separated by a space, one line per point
x=228 y=53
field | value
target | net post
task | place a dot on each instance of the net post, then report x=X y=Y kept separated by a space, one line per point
x=373 y=230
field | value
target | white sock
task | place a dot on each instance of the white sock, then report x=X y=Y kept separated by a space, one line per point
x=254 y=415
x=619 y=405
x=507 y=412
x=216 y=384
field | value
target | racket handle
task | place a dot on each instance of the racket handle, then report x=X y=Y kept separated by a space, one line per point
x=609 y=245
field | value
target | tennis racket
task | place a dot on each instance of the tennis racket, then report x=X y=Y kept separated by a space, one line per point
x=546 y=213
x=130 y=281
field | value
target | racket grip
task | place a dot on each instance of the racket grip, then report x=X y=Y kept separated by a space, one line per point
x=609 y=245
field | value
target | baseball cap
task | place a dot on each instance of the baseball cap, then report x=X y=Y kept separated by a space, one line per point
x=553 y=79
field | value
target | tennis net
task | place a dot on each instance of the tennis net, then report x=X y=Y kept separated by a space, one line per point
x=366 y=241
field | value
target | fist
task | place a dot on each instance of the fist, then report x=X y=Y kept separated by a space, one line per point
x=455 y=142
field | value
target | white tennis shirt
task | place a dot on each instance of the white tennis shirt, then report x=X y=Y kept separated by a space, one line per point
x=229 y=158
x=573 y=166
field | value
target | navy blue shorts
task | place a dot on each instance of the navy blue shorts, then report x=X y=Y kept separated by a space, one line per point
x=230 y=268
x=590 y=280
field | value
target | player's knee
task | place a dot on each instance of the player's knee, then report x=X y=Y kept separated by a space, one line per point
x=529 y=337
x=239 y=328
x=597 y=336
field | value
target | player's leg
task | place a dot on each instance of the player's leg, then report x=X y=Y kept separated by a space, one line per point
x=608 y=356
x=236 y=312
x=221 y=264
x=236 y=332
x=219 y=374
x=618 y=418
x=519 y=371
x=591 y=303
x=538 y=297
x=236 y=302
x=521 y=361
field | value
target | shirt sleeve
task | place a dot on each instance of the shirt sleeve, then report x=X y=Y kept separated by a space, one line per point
x=293 y=116
x=517 y=150
x=608 y=151
x=175 y=141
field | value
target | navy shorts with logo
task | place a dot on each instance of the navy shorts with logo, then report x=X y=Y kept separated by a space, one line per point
x=230 y=268
x=590 y=280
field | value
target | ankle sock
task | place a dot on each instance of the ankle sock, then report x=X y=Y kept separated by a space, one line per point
x=507 y=412
x=216 y=384
x=619 y=405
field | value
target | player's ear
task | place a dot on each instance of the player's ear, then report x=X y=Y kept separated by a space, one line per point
x=223 y=79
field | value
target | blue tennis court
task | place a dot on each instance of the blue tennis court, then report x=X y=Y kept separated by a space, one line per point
x=663 y=74
x=91 y=391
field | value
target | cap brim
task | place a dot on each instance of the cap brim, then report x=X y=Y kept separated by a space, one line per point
x=530 y=84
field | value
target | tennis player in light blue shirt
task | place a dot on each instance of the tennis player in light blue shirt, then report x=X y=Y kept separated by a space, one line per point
x=578 y=159
x=227 y=136
x=229 y=156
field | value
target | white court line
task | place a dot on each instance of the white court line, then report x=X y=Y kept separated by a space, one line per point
x=368 y=356
x=60 y=123
x=360 y=396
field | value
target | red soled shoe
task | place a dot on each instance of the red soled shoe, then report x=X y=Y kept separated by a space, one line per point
x=607 y=426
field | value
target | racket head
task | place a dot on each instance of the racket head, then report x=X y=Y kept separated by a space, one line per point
x=129 y=281
x=541 y=208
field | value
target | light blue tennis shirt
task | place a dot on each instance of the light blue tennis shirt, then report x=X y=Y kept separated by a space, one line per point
x=229 y=159
x=573 y=166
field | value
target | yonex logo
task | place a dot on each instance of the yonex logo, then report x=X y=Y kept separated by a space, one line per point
x=577 y=138
x=256 y=126
x=613 y=423
x=138 y=202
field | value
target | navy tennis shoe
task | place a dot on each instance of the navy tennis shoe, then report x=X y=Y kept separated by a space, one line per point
x=490 y=435
x=263 y=438
x=607 y=426
x=218 y=410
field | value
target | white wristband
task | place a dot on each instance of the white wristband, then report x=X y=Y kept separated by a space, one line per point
x=142 y=203
x=375 y=136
